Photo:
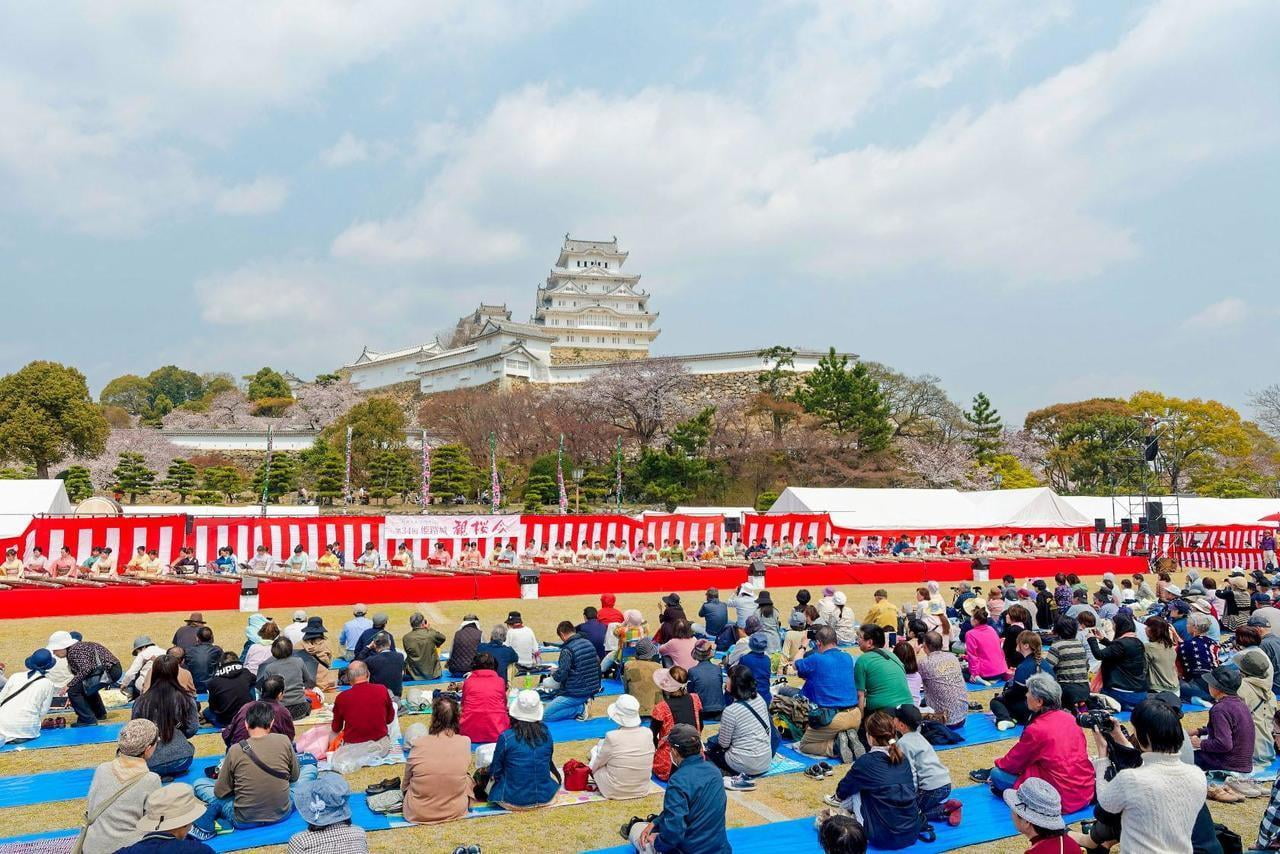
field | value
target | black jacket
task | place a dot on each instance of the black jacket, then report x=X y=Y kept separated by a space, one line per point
x=387 y=669
x=1124 y=664
x=229 y=688
x=202 y=659
x=463 y=649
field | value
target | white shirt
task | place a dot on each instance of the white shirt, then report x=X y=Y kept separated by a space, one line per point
x=525 y=644
x=293 y=632
x=1158 y=802
x=140 y=667
x=21 y=717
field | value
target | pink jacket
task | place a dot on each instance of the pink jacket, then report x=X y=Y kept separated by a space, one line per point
x=1053 y=748
x=986 y=655
x=484 y=707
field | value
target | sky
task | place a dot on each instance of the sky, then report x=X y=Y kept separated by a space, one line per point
x=1042 y=201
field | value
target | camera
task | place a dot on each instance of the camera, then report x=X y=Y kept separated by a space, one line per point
x=1098 y=719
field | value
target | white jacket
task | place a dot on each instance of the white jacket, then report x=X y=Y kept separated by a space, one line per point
x=140 y=668
x=21 y=716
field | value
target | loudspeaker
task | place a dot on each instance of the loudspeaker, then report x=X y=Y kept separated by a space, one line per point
x=1126 y=525
x=1159 y=525
x=733 y=525
x=249 y=585
x=980 y=563
x=1100 y=526
x=1155 y=509
x=1150 y=448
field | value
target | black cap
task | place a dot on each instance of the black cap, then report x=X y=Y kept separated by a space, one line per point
x=685 y=739
x=909 y=714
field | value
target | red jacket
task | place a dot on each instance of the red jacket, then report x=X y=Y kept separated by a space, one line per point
x=1053 y=748
x=484 y=707
x=362 y=713
x=607 y=613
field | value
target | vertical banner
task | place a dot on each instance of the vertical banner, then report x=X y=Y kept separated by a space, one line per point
x=562 y=497
x=266 y=473
x=495 y=488
x=617 y=486
x=346 y=481
x=426 y=473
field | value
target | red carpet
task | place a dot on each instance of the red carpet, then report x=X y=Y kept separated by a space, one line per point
x=20 y=604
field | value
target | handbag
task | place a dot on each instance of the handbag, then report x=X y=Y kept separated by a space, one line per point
x=1229 y=840
x=91 y=817
x=577 y=777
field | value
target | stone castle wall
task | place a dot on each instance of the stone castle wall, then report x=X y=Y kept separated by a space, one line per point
x=582 y=355
x=716 y=389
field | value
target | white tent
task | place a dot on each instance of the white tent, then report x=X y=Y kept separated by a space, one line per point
x=219 y=509
x=727 y=512
x=20 y=500
x=1192 y=510
x=926 y=509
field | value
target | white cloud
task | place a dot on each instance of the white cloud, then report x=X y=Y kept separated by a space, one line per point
x=1222 y=314
x=260 y=196
x=1016 y=192
x=264 y=294
x=347 y=150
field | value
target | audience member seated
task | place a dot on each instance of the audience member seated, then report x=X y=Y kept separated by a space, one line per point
x=237 y=730
x=202 y=657
x=639 y=673
x=621 y=641
x=839 y=833
x=255 y=778
x=932 y=779
x=522 y=774
x=880 y=790
x=262 y=633
x=504 y=656
x=324 y=805
x=119 y=790
x=293 y=673
x=386 y=666
x=706 y=680
x=983 y=649
x=25 y=699
x=185 y=680
x=230 y=688
x=186 y=635
x=713 y=613
x=353 y=629
x=1255 y=691
x=879 y=676
x=942 y=678
x=693 y=806
x=1124 y=664
x=1010 y=706
x=882 y=613
x=361 y=714
x=166 y=823
x=622 y=762
x=576 y=679
x=1037 y=814
x=679 y=647
x=421 y=649
x=316 y=655
x=1227 y=743
x=364 y=646
x=1067 y=661
x=484 y=702
x=743 y=747
x=462 y=650
x=593 y=630
x=608 y=614
x=758 y=662
x=829 y=687
x=677 y=706
x=145 y=652
x=176 y=716
x=525 y=643
x=437 y=785
x=1197 y=655
x=1156 y=805
x=1052 y=747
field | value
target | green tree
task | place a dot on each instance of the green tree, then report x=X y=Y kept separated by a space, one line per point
x=765 y=500
x=227 y=481
x=181 y=478
x=540 y=491
x=281 y=479
x=984 y=429
x=847 y=400
x=78 y=483
x=177 y=385
x=46 y=415
x=1194 y=434
x=1013 y=474
x=327 y=379
x=129 y=392
x=1052 y=425
x=330 y=476
x=680 y=470
x=159 y=408
x=11 y=473
x=268 y=382
x=390 y=473
x=1098 y=454
x=452 y=472
x=132 y=477
x=377 y=424
x=773 y=382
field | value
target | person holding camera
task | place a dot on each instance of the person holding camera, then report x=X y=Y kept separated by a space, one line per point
x=1148 y=798
x=1124 y=664
x=1052 y=747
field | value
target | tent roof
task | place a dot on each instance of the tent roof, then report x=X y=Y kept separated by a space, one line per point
x=219 y=510
x=727 y=512
x=922 y=509
x=22 y=499
x=1192 y=510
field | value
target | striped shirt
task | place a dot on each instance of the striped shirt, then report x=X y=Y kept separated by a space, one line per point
x=1068 y=661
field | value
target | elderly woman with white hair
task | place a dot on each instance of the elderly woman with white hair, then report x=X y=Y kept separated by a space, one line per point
x=1052 y=747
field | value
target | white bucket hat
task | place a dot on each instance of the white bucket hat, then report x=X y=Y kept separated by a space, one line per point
x=527 y=707
x=625 y=711
x=60 y=640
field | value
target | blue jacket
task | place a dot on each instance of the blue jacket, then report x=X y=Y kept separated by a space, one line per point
x=692 y=817
x=164 y=843
x=579 y=670
x=715 y=614
x=707 y=681
x=504 y=655
x=890 y=814
x=366 y=637
x=760 y=665
x=521 y=772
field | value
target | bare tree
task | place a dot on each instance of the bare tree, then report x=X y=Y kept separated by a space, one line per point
x=641 y=397
x=1266 y=405
x=918 y=406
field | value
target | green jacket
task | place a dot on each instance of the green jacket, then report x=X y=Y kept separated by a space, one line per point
x=422 y=653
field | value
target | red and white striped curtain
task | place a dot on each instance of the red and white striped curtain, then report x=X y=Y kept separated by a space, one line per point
x=796 y=527
x=684 y=529
x=123 y=534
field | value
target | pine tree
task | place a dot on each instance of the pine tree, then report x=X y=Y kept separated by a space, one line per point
x=132 y=477
x=985 y=431
x=452 y=472
x=283 y=477
x=539 y=491
x=389 y=474
x=848 y=400
x=330 y=477
x=227 y=481
x=181 y=478
x=77 y=482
